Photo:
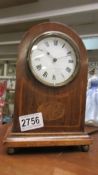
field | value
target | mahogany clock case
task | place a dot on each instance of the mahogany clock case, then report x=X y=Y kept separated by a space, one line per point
x=63 y=108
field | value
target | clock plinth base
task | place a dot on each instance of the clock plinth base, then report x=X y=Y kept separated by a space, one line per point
x=22 y=140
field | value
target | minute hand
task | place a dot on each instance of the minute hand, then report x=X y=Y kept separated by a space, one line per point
x=62 y=57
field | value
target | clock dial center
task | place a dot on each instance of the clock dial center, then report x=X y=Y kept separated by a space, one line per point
x=54 y=60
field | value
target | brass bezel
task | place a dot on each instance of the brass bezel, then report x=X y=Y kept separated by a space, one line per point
x=70 y=41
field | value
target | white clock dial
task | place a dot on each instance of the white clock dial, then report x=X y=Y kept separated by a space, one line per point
x=53 y=59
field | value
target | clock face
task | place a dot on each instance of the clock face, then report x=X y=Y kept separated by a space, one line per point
x=54 y=59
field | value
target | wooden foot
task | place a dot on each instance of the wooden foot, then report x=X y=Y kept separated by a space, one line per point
x=85 y=148
x=11 y=151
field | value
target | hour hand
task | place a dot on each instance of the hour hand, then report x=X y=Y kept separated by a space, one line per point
x=48 y=53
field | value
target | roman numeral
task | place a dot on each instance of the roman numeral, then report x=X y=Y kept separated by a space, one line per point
x=62 y=75
x=39 y=67
x=70 y=61
x=69 y=53
x=45 y=74
x=37 y=59
x=47 y=44
x=68 y=69
x=55 y=42
x=53 y=77
x=63 y=45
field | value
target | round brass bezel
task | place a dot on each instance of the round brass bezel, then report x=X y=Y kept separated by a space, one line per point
x=70 y=41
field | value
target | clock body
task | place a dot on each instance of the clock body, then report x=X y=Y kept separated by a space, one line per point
x=51 y=79
x=50 y=95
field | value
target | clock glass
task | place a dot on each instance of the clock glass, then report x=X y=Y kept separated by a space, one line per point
x=53 y=58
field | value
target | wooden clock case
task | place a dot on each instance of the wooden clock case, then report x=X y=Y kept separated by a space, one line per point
x=63 y=108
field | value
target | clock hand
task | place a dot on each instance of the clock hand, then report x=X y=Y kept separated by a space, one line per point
x=62 y=57
x=54 y=59
x=48 y=53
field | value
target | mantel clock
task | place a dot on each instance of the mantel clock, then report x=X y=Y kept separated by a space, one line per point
x=51 y=81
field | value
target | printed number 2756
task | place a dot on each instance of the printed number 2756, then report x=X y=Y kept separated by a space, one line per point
x=30 y=121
